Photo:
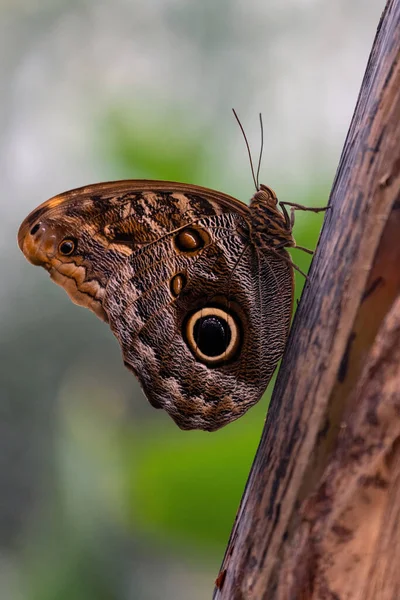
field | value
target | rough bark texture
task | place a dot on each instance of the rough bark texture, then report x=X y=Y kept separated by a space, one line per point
x=320 y=514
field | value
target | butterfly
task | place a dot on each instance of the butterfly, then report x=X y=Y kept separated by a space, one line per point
x=196 y=286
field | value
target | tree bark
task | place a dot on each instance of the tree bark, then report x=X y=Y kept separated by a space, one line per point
x=320 y=514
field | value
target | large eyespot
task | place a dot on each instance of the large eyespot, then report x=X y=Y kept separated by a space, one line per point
x=67 y=247
x=213 y=335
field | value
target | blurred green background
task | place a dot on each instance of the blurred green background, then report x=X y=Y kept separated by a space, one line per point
x=103 y=497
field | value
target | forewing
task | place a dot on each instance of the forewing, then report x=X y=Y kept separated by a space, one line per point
x=108 y=222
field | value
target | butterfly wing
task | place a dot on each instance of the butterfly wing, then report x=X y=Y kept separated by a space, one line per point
x=174 y=271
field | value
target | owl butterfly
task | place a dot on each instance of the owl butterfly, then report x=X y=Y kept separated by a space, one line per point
x=196 y=286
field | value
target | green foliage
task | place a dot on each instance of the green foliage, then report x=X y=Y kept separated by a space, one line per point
x=186 y=486
x=167 y=148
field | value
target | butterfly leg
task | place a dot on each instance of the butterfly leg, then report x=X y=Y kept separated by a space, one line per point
x=291 y=219
x=295 y=206
x=307 y=250
x=289 y=241
x=286 y=245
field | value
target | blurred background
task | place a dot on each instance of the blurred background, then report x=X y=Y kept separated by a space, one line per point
x=102 y=496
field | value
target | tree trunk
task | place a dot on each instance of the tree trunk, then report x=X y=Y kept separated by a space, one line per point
x=320 y=515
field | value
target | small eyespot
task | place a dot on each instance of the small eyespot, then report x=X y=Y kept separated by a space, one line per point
x=177 y=284
x=34 y=229
x=67 y=247
x=190 y=239
x=213 y=335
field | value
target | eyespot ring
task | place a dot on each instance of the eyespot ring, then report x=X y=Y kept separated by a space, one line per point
x=213 y=335
x=66 y=247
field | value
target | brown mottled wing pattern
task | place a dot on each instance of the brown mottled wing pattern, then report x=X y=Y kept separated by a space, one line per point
x=151 y=258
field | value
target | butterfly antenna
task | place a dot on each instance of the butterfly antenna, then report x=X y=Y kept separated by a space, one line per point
x=248 y=148
x=261 y=152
